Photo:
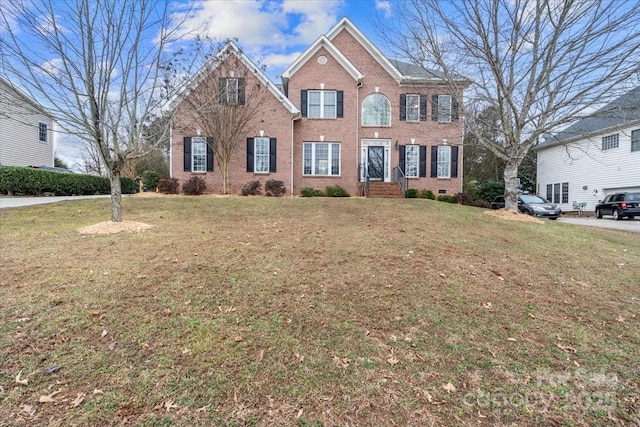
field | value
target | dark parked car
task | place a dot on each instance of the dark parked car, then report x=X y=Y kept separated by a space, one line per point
x=619 y=205
x=531 y=204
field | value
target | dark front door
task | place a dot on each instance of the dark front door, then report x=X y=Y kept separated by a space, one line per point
x=375 y=163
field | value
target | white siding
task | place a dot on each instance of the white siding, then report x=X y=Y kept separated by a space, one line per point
x=19 y=130
x=590 y=172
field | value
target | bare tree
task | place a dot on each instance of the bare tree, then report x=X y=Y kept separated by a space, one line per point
x=540 y=64
x=223 y=98
x=96 y=64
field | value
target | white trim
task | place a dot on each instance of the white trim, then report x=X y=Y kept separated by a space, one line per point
x=364 y=156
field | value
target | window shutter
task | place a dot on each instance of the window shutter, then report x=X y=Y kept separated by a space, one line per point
x=187 y=153
x=402 y=162
x=434 y=161
x=340 y=104
x=423 y=108
x=454 y=162
x=209 y=154
x=454 y=109
x=423 y=161
x=241 y=90
x=434 y=108
x=222 y=90
x=250 y=154
x=403 y=107
x=303 y=103
x=272 y=155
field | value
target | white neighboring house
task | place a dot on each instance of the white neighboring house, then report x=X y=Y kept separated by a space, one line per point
x=594 y=157
x=26 y=127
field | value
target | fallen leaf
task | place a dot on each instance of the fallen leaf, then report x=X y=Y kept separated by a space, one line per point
x=450 y=388
x=566 y=348
x=144 y=345
x=20 y=380
x=169 y=405
x=512 y=339
x=428 y=396
x=78 y=400
x=112 y=346
x=104 y=333
x=28 y=409
x=49 y=397
x=97 y=391
x=392 y=361
x=621 y=319
x=204 y=408
x=487 y=305
x=300 y=413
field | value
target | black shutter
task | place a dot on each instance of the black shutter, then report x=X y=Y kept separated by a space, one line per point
x=272 y=155
x=434 y=161
x=454 y=109
x=303 y=103
x=403 y=107
x=434 y=108
x=241 y=90
x=340 y=104
x=222 y=90
x=454 y=162
x=401 y=163
x=209 y=154
x=187 y=153
x=423 y=161
x=249 y=154
x=423 y=108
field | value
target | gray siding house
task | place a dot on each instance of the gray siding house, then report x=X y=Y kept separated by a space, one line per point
x=25 y=129
x=594 y=157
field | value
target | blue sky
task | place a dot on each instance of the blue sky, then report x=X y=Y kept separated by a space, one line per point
x=275 y=32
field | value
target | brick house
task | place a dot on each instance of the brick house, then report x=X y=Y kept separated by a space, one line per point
x=345 y=115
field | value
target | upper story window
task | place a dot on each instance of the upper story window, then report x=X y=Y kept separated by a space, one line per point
x=231 y=90
x=444 y=108
x=610 y=141
x=322 y=104
x=413 y=107
x=42 y=132
x=376 y=110
x=635 y=140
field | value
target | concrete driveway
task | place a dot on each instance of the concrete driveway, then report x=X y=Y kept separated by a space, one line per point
x=632 y=225
x=16 y=202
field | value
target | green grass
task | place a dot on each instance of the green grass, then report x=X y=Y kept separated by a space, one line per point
x=315 y=312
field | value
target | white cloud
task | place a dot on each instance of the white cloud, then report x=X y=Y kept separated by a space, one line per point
x=385 y=7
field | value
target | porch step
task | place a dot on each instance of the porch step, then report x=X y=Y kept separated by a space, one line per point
x=389 y=190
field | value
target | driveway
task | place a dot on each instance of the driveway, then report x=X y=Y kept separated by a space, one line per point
x=632 y=225
x=16 y=202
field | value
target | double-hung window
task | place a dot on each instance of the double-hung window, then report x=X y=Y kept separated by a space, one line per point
x=412 y=105
x=444 y=108
x=42 y=132
x=565 y=192
x=321 y=158
x=261 y=155
x=444 y=161
x=412 y=159
x=199 y=154
x=231 y=90
x=610 y=141
x=322 y=104
x=635 y=140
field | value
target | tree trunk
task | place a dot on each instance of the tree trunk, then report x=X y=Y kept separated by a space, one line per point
x=225 y=177
x=511 y=185
x=116 y=196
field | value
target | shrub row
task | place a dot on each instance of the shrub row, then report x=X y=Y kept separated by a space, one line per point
x=24 y=181
x=329 y=191
x=272 y=187
x=460 y=198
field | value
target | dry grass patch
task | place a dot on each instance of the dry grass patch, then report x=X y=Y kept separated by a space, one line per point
x=314 y=312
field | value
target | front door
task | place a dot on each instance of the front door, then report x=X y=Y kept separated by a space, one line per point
x=375 y=163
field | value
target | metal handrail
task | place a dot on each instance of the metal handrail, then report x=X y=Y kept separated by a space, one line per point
x=401 y=180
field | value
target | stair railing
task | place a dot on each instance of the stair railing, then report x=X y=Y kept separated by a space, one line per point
x=401 y=180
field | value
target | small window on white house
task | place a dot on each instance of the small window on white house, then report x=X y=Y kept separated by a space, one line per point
x=42 y=132
x=610 y=141
x=635 y=140
x=199 y=154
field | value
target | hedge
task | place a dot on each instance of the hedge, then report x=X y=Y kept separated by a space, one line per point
x=24 y=181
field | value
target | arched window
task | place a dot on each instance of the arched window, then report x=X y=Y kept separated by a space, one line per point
x=376 y=110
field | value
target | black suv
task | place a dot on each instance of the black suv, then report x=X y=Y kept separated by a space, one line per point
x=619 y=205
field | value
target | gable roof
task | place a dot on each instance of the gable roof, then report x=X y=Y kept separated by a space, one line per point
x=230 y=48
x=20 y=94
x=622 y=111
x=322 y=42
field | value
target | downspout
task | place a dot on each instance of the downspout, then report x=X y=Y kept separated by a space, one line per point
x=358 y=148
x=171 y=148
x=293 y=119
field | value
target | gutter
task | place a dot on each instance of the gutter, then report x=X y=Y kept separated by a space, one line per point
x=293 y=119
